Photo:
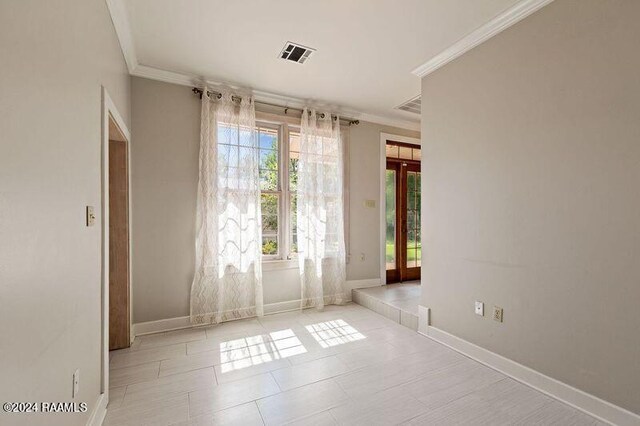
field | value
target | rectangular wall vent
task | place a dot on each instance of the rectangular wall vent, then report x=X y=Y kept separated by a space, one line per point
x=295 y=52
x=413 y=105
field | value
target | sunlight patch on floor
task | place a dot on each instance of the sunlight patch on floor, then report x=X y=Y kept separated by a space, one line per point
x=333 y=333
x=255 y=350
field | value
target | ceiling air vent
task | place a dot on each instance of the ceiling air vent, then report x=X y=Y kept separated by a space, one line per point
x=296 y=52
x=412 y=105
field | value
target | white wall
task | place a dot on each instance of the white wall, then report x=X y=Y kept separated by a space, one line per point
x=55 y=57
x=530 y=195
x=166 y=128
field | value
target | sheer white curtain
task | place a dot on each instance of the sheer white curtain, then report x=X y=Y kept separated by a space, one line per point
x=320 y=220
x=228 y=273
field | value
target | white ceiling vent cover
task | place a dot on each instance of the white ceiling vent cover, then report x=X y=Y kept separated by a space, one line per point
x=413 y=105
x=295 y=52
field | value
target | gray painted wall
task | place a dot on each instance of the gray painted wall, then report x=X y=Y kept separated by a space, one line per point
x=166 y=130
x=55 y=57
x=531 y=167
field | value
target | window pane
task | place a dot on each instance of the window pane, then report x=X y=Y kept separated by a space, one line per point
x=270 y=223
x=294 y=222
x=390 y=213
x=411 y=182
x=411 y=200
x=392 y=151
x=417 y=154
x=270 y=245
x=411 y=257
x=268 y=139
x=269 y=180
x=268 y=159
x=270 y=204
x=405 y=153
x=419 y=249
x=294 y=155
x=294 y=158
x=227 y=134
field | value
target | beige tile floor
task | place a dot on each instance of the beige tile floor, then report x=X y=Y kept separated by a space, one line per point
x=345 y=365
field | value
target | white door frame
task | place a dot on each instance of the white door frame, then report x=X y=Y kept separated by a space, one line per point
x=384 y=137
x=109 y=110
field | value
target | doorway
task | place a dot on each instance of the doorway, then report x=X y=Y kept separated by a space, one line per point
x=119 y=267
x=114 y=128
x=403 y=248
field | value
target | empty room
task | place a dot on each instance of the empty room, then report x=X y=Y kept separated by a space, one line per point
x=340 y=212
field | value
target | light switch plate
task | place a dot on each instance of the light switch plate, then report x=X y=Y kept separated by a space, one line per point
x=91 y=216
x=371 y=204
x=480 y=308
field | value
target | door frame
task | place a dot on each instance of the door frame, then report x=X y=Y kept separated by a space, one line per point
x=402 y=167
x=384 y=137
x=109 y=111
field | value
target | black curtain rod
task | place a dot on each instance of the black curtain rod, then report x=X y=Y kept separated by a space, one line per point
x=218 y=95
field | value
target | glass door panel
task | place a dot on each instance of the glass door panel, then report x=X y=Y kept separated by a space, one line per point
x=390 y=214
x=413 y=220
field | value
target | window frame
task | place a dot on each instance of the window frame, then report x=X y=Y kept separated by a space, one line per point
x=285 y=258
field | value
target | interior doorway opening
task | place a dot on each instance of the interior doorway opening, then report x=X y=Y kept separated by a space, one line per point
x=119 y=255
x=403 y=243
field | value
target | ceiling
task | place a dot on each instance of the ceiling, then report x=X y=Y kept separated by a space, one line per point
x=366 y=49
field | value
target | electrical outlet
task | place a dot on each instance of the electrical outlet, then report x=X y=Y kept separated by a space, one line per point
x=91 y=216
x=480 y=308
x=76 y=383
x=497 y=313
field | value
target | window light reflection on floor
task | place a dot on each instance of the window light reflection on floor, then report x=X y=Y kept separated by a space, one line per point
x=333 y=333
x=255 y=350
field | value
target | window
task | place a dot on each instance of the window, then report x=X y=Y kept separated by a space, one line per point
x=279 y=145
x=294 y=157
x=270 y=189
x=279 y=153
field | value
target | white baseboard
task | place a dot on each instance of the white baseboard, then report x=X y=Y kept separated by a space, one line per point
x=99 y=411
x=275 y=308
x=583 y=401
x=178 y=323
x=370 y=282
x=168 y=324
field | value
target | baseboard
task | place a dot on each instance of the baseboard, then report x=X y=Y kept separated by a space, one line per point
x=583 y=401
x=370 y=282
x=179 y=323
x=276 y=308
x=99 y=411
x=168 y=324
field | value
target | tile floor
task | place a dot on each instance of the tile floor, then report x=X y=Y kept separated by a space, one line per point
x=345 y=365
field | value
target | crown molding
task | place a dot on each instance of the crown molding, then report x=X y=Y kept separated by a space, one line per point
x=272 y=98
x=498 y=24
x=120 y=19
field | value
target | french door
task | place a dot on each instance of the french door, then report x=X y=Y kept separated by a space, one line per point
x=403 y=242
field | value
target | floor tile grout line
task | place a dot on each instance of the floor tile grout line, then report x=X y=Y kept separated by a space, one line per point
x=260 y=412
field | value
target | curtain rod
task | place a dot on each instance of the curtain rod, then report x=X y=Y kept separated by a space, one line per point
x=218 y=95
